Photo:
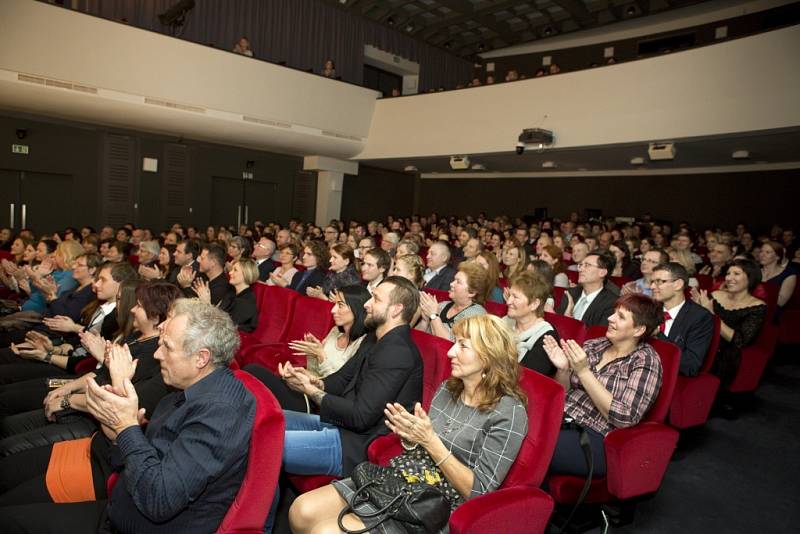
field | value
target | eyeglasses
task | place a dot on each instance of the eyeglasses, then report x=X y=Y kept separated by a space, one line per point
x=654 y=262
x=584 y=265
x=658 y=282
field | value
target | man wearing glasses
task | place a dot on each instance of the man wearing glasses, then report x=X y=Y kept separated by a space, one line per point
x=591 y=301
x=686 y=324
x=650 y=259
x=262 y=254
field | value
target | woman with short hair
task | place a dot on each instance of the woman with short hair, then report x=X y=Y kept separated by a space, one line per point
x=777 y=271
x=526 y=298
x=467 y=294
x=410 y=267
x=342 y=272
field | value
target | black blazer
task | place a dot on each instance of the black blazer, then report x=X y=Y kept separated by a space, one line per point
x=222 y=292
x=266 y=267
x=691 y=330
x=442 y=280
x=244 y=310
x=172 y=276
x=599 y=310
x=382 y=371
x=315 y=278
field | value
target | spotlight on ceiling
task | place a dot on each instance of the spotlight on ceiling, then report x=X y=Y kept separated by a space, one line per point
x=410 y=168
x=638 y=160
x=549 y=165
x=630 y=11
x=741 y=154
x=390 y=21
x=548 y=31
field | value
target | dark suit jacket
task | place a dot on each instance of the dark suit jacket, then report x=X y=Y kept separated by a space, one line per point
x=266 y=267
x=244 y=310
x=691 y=330
x=442 y=280
x=388 y=370
x=222 y=292
x=599 y=310
x=172 y=276
x=315 y=278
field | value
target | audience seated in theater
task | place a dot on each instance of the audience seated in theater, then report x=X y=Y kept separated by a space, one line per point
x=776 y=270
x=315 y=260
x=210 y=275
x=327 y=356
x=741 y=314
x=684 y=258
x=243 y=309
x=439 y=274
x=365 y=244
x=472 y=249
x=683 y=242
x=283 y=274
x=611 y=381
x=488 y=261
x=262 y=254
x=375 y=267
x=526 y=298
x=686 y=324
x=117 y=251
x=329 y=69
x=52 y=277
x=482 y=399
x=579 y=252
x=407 y=246
x=342 y=272
x=386 y=368
x=69 y=304
x=515 y=260
x=512 y=75
x=147 y=304
x=624 y=266
x=554 y=257
x=166 y=262
x=650 y=259
x=148 y=257
x=189 y=463
x=238 y=247
x=553 y=68
x=592 y=300
x=719 y=255
x=389 y=243
x=467 y=295
x=242 y=47
x=411 y=268
x=186 y=254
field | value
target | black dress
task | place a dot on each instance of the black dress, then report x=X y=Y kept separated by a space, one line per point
x=244 y=310
x=746 y=324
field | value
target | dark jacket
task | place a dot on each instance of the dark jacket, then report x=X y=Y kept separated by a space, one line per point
x=691 y=330
x=222 y=292
x=244 y=310
x=266 y=267
x=442 y=280
x=315 y=278
x=599 y=310
x=388 y=370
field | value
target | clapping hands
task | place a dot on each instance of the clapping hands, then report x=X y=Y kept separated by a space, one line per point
x=568 y=355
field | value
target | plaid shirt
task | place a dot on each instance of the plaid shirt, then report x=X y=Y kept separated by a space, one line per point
x=633 y=381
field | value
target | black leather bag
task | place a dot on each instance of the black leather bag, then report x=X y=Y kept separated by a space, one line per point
x=422 y=508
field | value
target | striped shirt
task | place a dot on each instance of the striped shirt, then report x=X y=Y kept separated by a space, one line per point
x=633 y=381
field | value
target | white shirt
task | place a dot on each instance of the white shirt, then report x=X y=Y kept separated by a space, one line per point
x=429 y=274
x=372 y=285
x=589 y=299
x=673 y=313
x=100 y=315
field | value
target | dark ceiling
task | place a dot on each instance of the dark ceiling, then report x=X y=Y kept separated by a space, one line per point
x=470 y=27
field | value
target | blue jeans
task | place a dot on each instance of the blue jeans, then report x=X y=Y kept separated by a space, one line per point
x=311 y=447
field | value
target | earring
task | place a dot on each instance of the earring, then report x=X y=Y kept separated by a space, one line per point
x=483 y=375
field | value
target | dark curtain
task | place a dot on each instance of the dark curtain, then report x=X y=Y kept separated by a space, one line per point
x=302 y=33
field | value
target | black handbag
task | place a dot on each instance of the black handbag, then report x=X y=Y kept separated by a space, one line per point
x=421 y=500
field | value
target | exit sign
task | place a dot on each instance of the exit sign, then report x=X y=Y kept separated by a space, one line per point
x=19 y=149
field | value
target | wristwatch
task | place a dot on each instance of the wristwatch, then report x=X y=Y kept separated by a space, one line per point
x=65 y=404
x=48 y=356
x=433 y=316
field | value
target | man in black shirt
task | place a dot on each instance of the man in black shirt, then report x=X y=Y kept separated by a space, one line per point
x=212 y=268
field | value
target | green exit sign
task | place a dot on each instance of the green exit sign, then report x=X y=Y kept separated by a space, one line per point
x=19 y=149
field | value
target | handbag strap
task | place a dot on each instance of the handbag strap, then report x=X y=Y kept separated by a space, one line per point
x=385 y=511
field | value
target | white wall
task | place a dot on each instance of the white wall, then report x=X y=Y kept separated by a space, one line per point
x=741 y=85
x=316 y=115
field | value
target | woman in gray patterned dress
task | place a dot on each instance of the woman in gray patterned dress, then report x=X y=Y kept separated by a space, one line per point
x=474 y=431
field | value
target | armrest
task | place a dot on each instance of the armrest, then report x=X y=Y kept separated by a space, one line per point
x=509 y=510
x=637 y=457
x=269 y=355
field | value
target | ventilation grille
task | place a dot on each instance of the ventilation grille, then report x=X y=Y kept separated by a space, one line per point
x=49 y=82
x=304 y=196
x=267 y=122
x=173 y=105
x=118 y=179
x=341 y=136
x=176 y=173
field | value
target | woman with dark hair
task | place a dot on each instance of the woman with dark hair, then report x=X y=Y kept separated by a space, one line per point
x=327 y=356
x=624 y=267
x=554 y=257
x=488 y=261
x=343 y=272
x=741 y=314
x=611 y=381
x=283 y=273
x=472 y=433
x=776 y=270
x=315 y=260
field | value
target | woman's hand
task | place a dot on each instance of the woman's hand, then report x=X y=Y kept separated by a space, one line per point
x=414 y=428
x=39 y=340
x=61 y=323
x=299 y=379
x=149 y=273
x=706 y=269
x=186 y=276
x=700 y=296
x=48 y=287
x=555 y=353
x=51 y=407
x=121 y=365
x=200 y=287
x=278 y=280
x=316 y=292
x=45 y=268
x=309 y=346
x=94 y=345
x=578 y=361
x=28 y=351
x=428 y=304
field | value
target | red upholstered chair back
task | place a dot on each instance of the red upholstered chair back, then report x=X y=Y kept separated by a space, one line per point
x=441 y=296
x=619 y=281
x=704 y=281
x=496 y=308
x=572 y=276
x=249 y=510
x=567 y=327
x=713 y=347
x=275 y=308
x=435 y=363
x=769 y=294
x=670 y=362
x=310 y=315
x=545 y=411
x=595 y=331
x=558 y=294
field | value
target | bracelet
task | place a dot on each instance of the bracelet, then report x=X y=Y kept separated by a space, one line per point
x=443 y=460
x=48 y=356
x=408 y=446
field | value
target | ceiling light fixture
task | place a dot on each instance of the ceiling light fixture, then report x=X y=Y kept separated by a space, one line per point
x=638 y=160
x=741 y=154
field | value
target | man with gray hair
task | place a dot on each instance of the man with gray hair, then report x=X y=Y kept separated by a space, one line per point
x=183 y=472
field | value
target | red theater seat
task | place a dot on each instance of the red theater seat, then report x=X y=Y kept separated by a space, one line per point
x=636 y=457
x=496 y=308
x=441 y=296
x=755 y=357
x=275 y=308
x=518 y=505
x=567 y=327
x=694 y=395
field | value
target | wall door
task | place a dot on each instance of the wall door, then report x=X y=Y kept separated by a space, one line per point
x=41 y=201
x=237 y=201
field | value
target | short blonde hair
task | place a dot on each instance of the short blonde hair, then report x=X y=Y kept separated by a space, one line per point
x=70 y=250
x=249 y=270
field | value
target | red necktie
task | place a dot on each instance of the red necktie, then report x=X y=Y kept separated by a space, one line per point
x=667 y=317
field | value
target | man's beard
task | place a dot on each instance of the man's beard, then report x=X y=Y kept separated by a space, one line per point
x=373 y=321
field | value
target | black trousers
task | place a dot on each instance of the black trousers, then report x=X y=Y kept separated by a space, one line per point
x=27 y=430
x=287 y=398
x=22 y=396
x=568 y=458
x=21 y=370
x=51 y=518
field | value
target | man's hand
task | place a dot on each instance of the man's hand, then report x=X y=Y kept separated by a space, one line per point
x=113 y=408
x=186 y=276
x=149 y=273
x=299 y=379
x=61 y=323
